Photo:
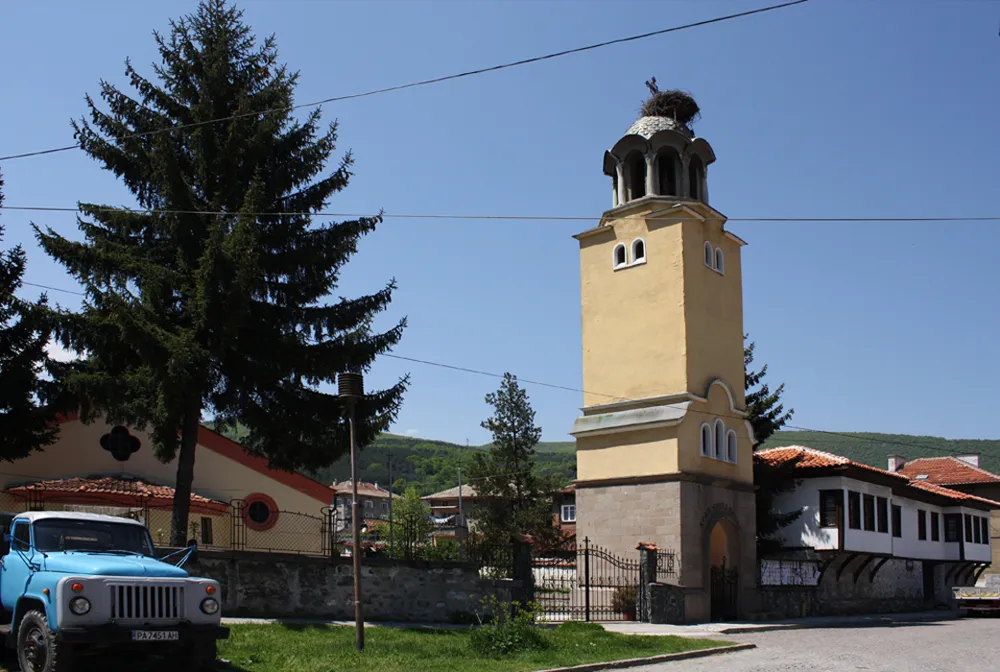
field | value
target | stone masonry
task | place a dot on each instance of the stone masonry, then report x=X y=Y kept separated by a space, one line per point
x=618 y=517
x=283 y=586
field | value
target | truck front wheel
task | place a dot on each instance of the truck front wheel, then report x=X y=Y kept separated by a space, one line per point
x=199 y=656
x=37 y=649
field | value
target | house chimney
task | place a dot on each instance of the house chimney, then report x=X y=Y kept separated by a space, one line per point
x=896 y=462
x=970 y=458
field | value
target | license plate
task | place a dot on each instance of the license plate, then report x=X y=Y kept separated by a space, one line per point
x=155 y=636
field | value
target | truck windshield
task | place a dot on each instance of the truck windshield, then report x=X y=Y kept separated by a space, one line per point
x=54 y=534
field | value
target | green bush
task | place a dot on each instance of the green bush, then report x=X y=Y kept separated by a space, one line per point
x=625 y=598
x=506 y=628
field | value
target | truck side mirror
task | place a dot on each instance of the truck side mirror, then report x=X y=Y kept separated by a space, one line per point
x=5 y=545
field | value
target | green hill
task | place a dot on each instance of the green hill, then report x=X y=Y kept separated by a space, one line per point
x=431 y=465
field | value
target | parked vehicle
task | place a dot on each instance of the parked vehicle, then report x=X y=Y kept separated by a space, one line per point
x=983 y=597
x=79 y=582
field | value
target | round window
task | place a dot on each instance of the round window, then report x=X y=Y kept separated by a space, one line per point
x=260 y=512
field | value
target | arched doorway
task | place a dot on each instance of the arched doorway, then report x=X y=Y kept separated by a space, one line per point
x=723 y=570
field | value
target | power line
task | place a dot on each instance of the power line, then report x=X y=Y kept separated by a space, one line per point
x=554 y=218
x=566 y=388
x=426 y=82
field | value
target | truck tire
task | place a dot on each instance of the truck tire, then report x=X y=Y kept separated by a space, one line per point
x=37 y=649
x=199 y=656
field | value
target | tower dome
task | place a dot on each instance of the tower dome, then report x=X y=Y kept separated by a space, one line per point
x=659 y=155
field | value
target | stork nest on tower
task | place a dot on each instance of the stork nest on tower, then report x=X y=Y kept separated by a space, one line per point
x=675 y=104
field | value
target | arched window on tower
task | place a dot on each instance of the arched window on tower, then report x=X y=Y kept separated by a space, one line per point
x=620 y=255
x=720 y=439
x=636 y=168
x=731 y=446
x=638 y=250
x=696 y=171
x=667 y=163
x=706 y=440
x=709 y=255
x=720 y=261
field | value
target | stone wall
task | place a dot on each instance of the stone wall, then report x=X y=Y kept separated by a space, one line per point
x=618 y=517
x=897 y=587
x=291 y=586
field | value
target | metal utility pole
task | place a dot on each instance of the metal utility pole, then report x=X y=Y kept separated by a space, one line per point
x=351 y=386
x=461 y=515
x=392 y=537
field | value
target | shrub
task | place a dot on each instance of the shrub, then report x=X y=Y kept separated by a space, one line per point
x=624 y=599
x=444 y=549
x=507 y=628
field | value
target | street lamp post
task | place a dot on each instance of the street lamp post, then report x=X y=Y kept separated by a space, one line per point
x=351 y=387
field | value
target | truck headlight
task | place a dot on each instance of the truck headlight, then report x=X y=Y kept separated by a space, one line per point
x=210 y=606
x=79 y=606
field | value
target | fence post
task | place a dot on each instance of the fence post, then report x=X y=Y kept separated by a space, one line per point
x=586 y=578
x=647 y=575
x=523 y=573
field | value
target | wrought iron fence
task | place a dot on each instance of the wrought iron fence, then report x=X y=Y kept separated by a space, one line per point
x=666 y=564
x=588 y=583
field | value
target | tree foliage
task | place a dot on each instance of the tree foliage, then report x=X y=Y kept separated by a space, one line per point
x=512 y=498
x=29 y=400
x=411 y=526
x=767 y=415
x=221 y=305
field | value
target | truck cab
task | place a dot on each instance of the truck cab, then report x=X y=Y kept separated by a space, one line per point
x=73 y=583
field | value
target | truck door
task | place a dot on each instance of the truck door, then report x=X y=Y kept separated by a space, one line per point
x=16 y=572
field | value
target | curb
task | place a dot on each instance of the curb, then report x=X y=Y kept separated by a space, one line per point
x=663 y=658
x=860 y=622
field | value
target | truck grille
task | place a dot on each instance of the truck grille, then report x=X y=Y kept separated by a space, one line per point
x=146 y=601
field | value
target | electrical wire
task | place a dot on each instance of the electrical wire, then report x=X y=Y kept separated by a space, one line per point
x=425 y=82
x=553 y=218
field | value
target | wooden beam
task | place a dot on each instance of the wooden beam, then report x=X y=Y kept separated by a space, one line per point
x=861 y=568
x=850 y=559
x=878 y=566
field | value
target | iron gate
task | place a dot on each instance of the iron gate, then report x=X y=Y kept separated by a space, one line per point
x=723 y=587
x=587 y=583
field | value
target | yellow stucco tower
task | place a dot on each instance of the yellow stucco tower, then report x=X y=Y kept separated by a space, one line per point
x=664 y=452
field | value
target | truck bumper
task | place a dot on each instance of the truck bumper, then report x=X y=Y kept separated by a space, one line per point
x=117 y=635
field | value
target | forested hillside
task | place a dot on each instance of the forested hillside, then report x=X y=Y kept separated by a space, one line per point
x=431 y=466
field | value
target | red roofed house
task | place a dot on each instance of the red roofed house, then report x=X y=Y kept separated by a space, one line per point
x=962 y=473
x=877 y=535
x=237 y=501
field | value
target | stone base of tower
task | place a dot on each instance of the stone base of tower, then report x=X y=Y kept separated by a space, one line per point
x=706 y=524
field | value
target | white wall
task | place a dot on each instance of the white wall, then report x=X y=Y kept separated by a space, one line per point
x=805 y=531
x=865 y=540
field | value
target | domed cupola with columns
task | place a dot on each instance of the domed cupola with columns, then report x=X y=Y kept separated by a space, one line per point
x=659 y=155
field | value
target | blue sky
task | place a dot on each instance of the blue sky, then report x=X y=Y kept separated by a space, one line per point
x=834 y=108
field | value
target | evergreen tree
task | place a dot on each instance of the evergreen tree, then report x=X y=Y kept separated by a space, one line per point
x=511 y=497
x=767 y=415
x=28 y=402
x=219 y=307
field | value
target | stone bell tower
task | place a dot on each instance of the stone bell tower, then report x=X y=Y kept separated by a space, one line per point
x=664 y=452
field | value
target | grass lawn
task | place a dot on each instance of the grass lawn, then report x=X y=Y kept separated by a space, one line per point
x=293 y=648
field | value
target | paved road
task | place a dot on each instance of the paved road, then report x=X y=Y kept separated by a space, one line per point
x=966 y=645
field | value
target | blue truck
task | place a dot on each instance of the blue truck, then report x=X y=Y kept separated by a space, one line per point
x=74 y=583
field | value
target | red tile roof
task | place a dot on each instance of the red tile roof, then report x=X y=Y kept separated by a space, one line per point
x=365 y=489
x=816 y=459
x=110 y=489
x=819 y=459
x=948 y=471
x=953 y=494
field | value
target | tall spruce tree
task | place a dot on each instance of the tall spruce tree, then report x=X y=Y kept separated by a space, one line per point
x=219 y=306
x=28 y=401
x=767 y=415
x=511 y=497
